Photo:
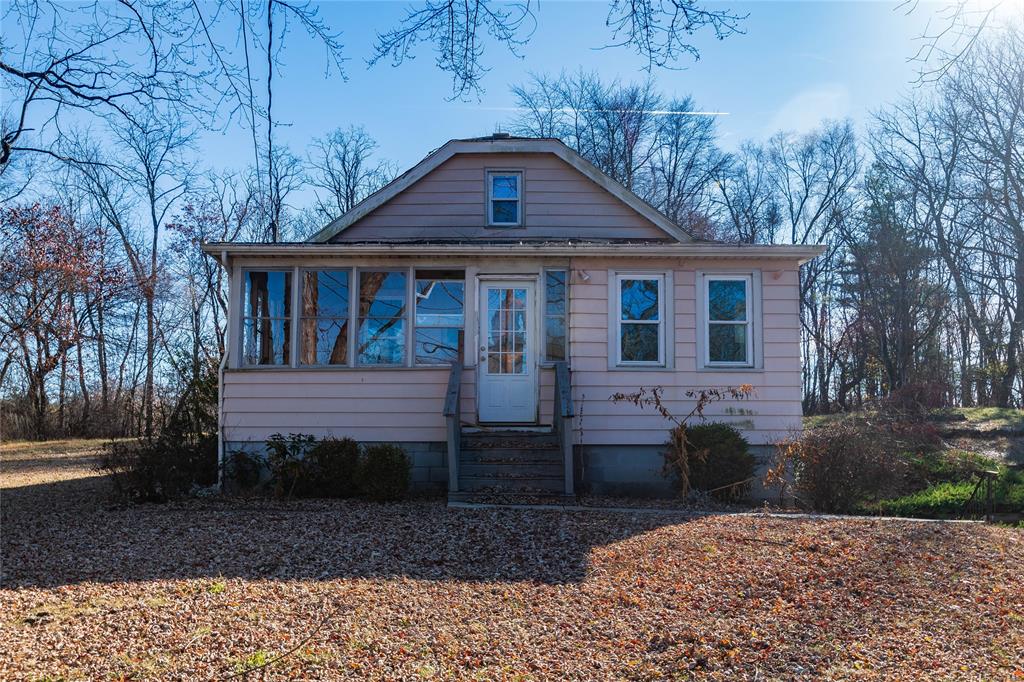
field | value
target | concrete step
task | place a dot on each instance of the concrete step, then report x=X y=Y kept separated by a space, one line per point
x=511 y=455
x=518 y=440
x=554 y=499
x=511 y=484
x=511 y=469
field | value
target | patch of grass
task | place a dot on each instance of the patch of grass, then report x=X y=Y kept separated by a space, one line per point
x=217 y=587
x=256 y=659
x=984 y=418
x=947 y=499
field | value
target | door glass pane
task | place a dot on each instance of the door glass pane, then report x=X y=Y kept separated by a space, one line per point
x=727 y=300
x=639 y=298
x=506 y=330
x=727 y=342
x=639 y=342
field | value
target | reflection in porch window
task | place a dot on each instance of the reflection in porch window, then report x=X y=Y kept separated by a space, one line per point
x=555 y=308
x=324 y=326
x=440 y=300
x=266 y=318
x=382 y=301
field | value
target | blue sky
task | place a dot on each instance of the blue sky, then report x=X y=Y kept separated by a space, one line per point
x=797 y=63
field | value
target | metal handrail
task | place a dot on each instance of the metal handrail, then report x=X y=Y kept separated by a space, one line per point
x=452 y=414
x=563 y=421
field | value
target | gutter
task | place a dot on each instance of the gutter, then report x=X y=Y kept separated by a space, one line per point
x=226 y=263
x=801 y=253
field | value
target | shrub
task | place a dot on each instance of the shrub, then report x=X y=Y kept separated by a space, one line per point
x=841 y=465
x=286 y=457
x=160 y=470
x=718 y=460
x=242 y=470
x=945 y=500
x=384 y=472
x=332 y=468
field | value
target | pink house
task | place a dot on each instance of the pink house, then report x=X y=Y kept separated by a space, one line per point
x=481 y=309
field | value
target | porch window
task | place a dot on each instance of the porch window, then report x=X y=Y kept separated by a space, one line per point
x=440 y=317
x=728 y=337
x=382 y=317
x=556 y=305
x=640 y=323
x=504 y=194
x=266 y=317
x=324 y=323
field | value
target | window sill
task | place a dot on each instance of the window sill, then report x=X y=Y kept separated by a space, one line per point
x=339 y=368
x=729 y=368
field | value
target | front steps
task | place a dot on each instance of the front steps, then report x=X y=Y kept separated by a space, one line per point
x=509 y=462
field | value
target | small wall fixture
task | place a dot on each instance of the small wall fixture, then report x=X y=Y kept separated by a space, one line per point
x=582 y=275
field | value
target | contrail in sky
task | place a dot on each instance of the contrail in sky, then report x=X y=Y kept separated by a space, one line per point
x=570 y=110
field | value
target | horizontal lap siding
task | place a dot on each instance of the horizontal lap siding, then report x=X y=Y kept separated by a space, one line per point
x=370 y=405
x=450 y=202
x=771 y=413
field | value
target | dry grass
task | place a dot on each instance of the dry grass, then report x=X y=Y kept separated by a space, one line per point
x=208 y=589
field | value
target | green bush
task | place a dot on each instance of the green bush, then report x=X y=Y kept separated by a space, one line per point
x=947 y=500
x=384 y=472
x=719 y=459
x=160 y=470
x=332 y=466
x=242 y=471
x=286 y=460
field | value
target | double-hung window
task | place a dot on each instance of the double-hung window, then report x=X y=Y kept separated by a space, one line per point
x=728 y=334
x=640 y=319
x=325 y=322
x=382 y=317
x=556 y=304
x=440 y=300
x=266 y=317
x=504 y=198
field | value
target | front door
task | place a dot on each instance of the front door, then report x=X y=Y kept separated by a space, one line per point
x=508 y=363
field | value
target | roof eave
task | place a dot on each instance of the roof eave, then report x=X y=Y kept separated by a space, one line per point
x=802 y=253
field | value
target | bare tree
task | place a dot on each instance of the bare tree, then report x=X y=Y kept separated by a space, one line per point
x=751 y=211
x=658 y=31
x=341 y=166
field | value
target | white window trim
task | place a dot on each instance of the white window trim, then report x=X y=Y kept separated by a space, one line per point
x=289 y=361
x=491 y=173
x=755 y=350
x=665 y=323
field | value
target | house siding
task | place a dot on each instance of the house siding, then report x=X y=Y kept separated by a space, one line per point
x=405 y=404
x=559 y=202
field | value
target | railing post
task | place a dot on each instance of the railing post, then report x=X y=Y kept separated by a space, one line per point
x=563 y=422
x=452 y=415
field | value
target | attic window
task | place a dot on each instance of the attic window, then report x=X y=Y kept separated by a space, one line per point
x=504 y=198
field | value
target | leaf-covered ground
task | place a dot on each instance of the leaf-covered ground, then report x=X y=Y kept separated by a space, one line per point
x=215 y=588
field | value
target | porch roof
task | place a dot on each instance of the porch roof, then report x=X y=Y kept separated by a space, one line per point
x=689 y=250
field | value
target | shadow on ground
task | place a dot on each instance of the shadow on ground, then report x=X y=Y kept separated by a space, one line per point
x=68 y=532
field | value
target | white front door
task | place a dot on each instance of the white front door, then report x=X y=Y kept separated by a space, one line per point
x=508 y=362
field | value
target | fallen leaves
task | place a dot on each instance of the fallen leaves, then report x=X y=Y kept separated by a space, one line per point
x=206 y=589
